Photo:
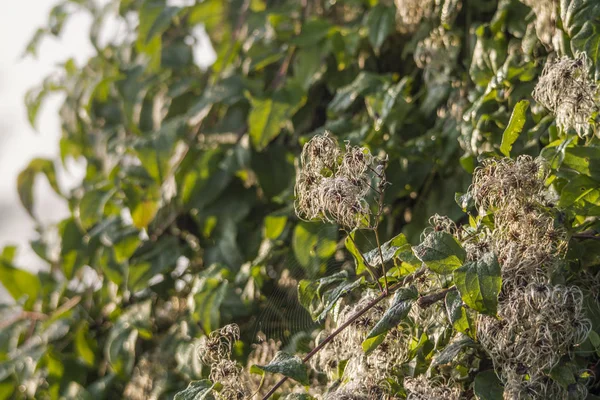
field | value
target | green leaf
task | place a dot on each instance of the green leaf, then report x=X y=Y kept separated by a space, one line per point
x=162 y=22
x=564 y=374
x=450 y=352
x=26 y=181
x=148 y=14
x=287 y=365
x=91 y=206
x=267 y=115
x=84 y=345
x=370 y=344
x=155 y=152
x=274 y=225
x=458 y=316
x=401 y=304
x=580 y=21
x=298 y=396
x=487 y=386
x=514 y=128
x=441 y=252
x=207 y=302
x=381 y=21
x=364 y=83
x=313 y=244
x=359 y=261
x=479 y=283
x=196 y=390
x=19 y=283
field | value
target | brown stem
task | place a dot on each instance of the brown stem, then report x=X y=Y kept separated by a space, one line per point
x=430 y=299
x=586 y=235
x=329 y=338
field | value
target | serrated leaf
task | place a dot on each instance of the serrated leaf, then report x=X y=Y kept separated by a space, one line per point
x=487 y=386
x=514 y=128
x=449 y=353
x=401 y=304
x=287 y=365
x=380 y=22
x=479 y=283
x=196 y=390
x=441 y=252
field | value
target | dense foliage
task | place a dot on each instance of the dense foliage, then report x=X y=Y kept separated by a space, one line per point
x=203 y=188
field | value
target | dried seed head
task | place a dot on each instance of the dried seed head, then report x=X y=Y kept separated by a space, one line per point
x=500 y=182
x=421 y=388
x=565 y=90
x=217 y=345
x=539 y=324
x=332 y=186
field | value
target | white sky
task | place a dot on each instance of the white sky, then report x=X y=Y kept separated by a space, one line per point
x=19 y=143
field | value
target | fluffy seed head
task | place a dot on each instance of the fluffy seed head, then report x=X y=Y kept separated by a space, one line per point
x=564 y=89
x=332 y=185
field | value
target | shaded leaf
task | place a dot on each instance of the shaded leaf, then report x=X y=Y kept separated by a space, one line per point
x=381 y=21
x=26 y=181
x=287 y=365
x=196 y=390
x=450 y=352
x=487 y=386
x=441 y=252
x=458 y=316
x=19 y=283
x=479 y=283
x=401 y=304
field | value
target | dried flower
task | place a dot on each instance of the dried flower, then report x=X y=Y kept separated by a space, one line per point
x=565 y=90
x=332 y=186
x=421 y=388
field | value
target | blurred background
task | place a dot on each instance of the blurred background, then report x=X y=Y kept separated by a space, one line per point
x=19 y=142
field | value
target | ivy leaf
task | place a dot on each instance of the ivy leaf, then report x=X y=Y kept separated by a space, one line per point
x=401 y=304
x=380 y=21
x=441 y=252
x=479 y=283
x=287 y=365
x=487 y=386
x=514 y=128
x=450 y=352
x=196 y=390
x=461 y=321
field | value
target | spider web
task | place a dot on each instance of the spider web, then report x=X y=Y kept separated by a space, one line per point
x=282 y=317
